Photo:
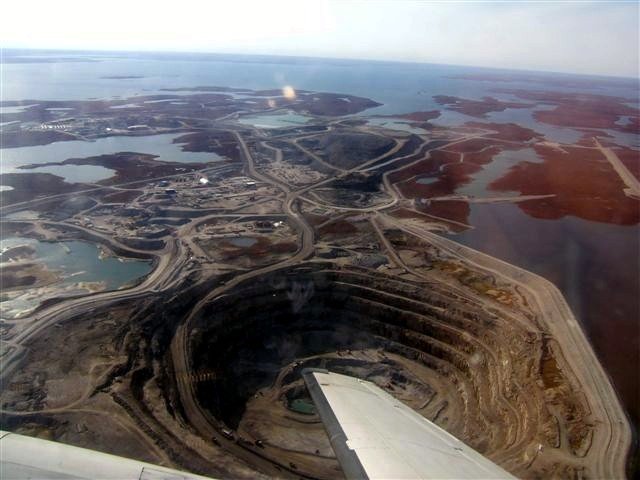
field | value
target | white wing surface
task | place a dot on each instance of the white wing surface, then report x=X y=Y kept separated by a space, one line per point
x=376 y=436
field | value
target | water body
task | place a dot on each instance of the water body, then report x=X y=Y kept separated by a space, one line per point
x=500 y=164
x=79 y=261
x=125 y=106
x=161 y=145
x=427 y=180
x=593 y=264
x=75 y=262
x=275 y=120
x=519 y=116
x=524 y=118
x=22 y=108
x=622 y=138
x=304 y=406
x=164 y=100
x=402 y=87
x=396 y=124
x=243 y=241
x=450 y=118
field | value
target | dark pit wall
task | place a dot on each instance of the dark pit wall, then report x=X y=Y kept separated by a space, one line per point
x=595 y=267
x=274 y=342
x=440 y=353
x=244 y=340
x=247 y=338
x=251 y=336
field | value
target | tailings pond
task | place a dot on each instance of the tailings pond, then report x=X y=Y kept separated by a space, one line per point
x=78 y=267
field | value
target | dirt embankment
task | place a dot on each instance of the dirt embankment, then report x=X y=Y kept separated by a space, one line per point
x=630 y=158
x=455 y=210
x=122 y=196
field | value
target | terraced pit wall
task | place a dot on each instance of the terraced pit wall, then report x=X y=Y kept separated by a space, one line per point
x=490 y=380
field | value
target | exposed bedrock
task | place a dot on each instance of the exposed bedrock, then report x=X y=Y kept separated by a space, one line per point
x=489 y=379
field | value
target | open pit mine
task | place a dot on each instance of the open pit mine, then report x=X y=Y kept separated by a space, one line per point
x=325 y=244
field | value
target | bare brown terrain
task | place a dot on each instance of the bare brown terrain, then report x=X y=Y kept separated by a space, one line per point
x=306 y=246
x=9 y=139
x=128 y=166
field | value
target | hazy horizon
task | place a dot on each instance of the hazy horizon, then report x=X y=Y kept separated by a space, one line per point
x=589 y=38
x=522 y=71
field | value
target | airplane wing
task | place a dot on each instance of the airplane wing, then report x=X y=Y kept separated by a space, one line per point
x=24 y=457
x=376 y=436
x=373 y=435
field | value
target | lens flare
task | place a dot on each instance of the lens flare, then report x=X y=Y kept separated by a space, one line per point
x=288 y=92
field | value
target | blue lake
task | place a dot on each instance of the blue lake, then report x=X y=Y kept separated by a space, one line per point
x=500 y=164
x=160 y=145
x=275 y=120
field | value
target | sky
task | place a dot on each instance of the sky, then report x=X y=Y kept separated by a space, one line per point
x=576 y=37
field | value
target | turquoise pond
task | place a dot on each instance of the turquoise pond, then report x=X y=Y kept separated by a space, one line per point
x=76 y=264
x=275 y=120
